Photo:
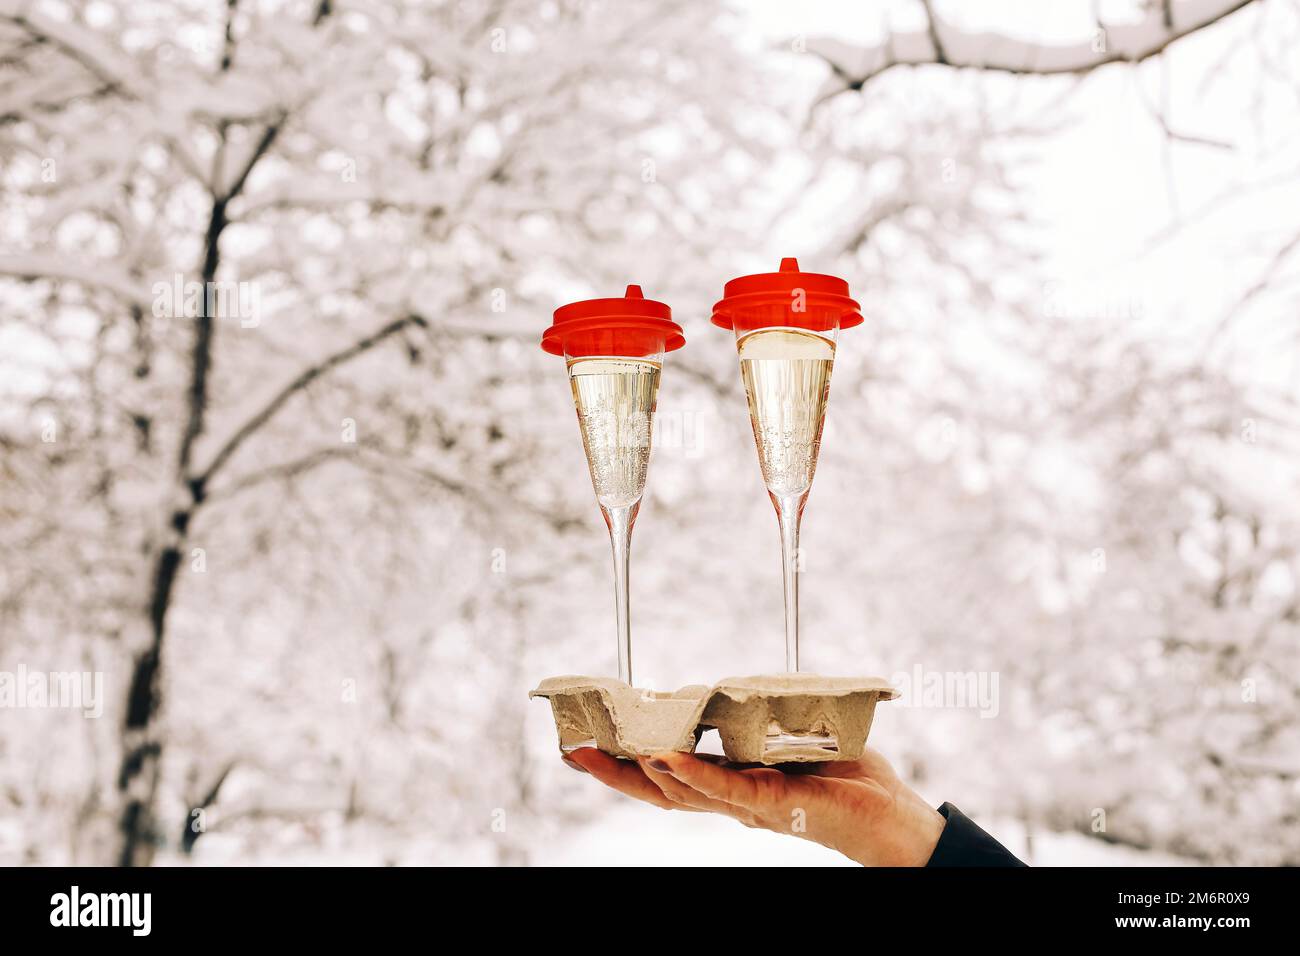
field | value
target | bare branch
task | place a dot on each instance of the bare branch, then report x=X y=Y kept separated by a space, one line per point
x=297 y=384
x=930 y=21
x=282 y=471
x=1257 y=288
x=268 y=138
x=942 y=43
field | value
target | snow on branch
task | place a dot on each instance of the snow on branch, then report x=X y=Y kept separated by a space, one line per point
x=36 y=268
x=940 y=42
x=100 y=59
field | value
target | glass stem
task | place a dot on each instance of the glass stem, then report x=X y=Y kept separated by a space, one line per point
x=620 y=539
x=789 y=509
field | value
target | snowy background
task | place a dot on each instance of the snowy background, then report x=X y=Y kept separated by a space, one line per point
x=319 y=542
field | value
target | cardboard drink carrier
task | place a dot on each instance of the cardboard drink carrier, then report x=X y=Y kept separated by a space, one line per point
x=747 y=712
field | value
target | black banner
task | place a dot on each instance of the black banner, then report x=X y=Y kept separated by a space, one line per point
x=335 y=905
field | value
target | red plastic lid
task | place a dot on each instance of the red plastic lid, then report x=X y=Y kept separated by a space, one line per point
x=632 y=326
x=807 y=300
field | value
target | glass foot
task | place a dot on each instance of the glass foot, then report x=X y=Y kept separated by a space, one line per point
x=783 y=741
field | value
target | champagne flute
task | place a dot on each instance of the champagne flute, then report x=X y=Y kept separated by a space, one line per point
x=614 y=349
x=786 y=324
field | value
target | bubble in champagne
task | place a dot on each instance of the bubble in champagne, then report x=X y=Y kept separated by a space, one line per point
x=615 y=399
x=787 y=375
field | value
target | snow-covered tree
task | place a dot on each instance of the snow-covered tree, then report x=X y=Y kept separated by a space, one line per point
x=275 y=272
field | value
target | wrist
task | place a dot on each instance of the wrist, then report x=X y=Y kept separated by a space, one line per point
x=907 y=838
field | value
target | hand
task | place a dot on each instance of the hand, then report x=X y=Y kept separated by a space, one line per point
x=859 y=808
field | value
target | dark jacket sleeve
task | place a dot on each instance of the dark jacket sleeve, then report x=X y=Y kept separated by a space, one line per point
x=962 y=843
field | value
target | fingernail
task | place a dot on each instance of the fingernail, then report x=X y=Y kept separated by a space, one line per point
x=658 y=765
x=575 y=765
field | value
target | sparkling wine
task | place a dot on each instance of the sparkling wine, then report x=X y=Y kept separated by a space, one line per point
x=787 y=376
x=615 y=399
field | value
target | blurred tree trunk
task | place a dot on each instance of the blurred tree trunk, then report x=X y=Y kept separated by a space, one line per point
x=137 y=780
x=141 y=745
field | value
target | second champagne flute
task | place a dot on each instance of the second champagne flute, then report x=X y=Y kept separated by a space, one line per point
x=786 y=324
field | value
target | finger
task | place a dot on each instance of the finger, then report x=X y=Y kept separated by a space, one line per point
x=837 y=768
x=621 y=775
x=675 y=790
x=681 y=793
x=736 y=787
